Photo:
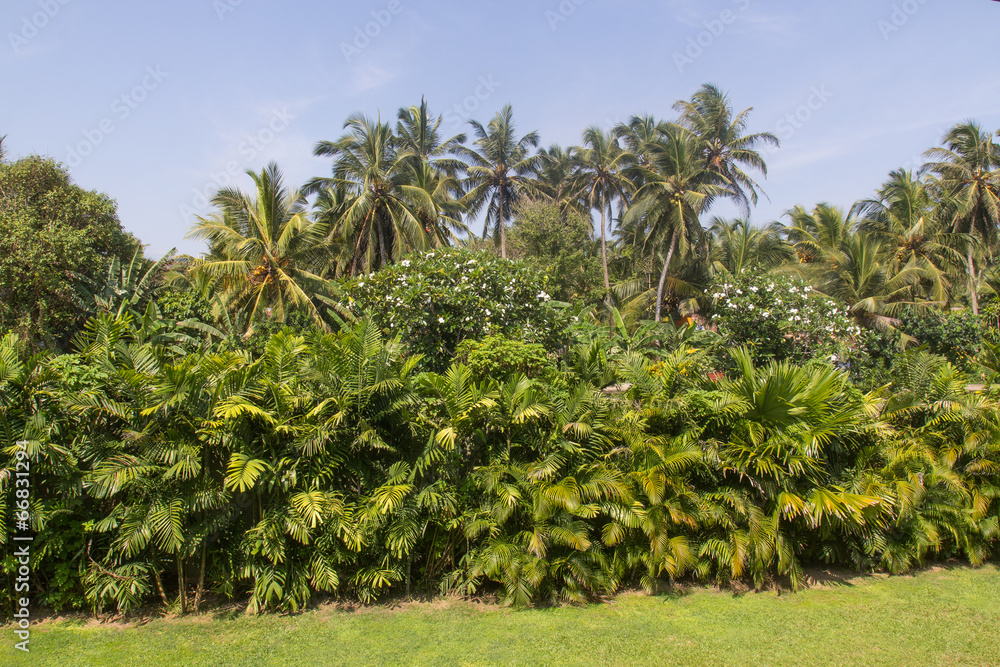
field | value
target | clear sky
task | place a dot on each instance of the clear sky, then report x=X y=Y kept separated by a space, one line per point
x=155 y=103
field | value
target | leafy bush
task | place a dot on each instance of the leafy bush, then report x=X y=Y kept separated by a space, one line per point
x=560 y=245
x=780 y=318
x=957 y=336
x=436 y=300
x=499 y=357
x=872 y=358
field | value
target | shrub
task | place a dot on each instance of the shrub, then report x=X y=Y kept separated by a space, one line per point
x=436 y=300
x=957 y=336
x=780 y=318
x=499 y=357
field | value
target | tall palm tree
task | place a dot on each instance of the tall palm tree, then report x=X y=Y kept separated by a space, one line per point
x=725 y=147
x=602 y=166
x=856 y=274
x=436 y=170
x=638 y=133
x=383 y=217
x=739 y=246
x=814 y=233
x=968 y=169
x=502 y=170
x=265 y=251
x=557 y=180
x=418 y=135
x=676 y=191
x=903 y=218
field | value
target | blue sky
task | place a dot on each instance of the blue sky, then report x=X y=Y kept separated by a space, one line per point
x=157 y=103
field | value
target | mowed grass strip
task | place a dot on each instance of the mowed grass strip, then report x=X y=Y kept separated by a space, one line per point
x=948 y=616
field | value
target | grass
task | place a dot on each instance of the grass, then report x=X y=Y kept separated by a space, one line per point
x=943 y=616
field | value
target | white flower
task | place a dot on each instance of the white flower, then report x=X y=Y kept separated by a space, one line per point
x=405 y=262
x=361 y=284
x=488 y=313
x=440 y=320
x=766 y=314
x=752 y=307
x=753 y=289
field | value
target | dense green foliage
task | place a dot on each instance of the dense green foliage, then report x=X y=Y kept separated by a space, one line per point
x=327 y=464
x=559 y=245
x=53 y=236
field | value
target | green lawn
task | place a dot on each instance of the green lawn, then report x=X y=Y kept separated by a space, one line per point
x=939 y=617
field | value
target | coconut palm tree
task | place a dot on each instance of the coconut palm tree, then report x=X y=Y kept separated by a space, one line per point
x=436 y=170
x=418 y=135
x=638 y=133
x=264 y=249
x=904 y=219
x=501 y=172
x=602 y=166
x=814 y=233
x=968 y=170
x=725 y=147
x=676 y=191
x=383 y=217
x=738 y=246
x=856 y=275
x=557 y=180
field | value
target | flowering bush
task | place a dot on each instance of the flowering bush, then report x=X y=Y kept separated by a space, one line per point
x=780 y=318
x=438 y=299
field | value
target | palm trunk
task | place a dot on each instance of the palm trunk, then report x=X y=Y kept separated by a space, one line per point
x=503 y=226
x=201 y=576
x=604 y=246
x=181 y=585
x=663 y=274
x=159 y=584
x=973 y=288
x=381 y=242
x=409 y=573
